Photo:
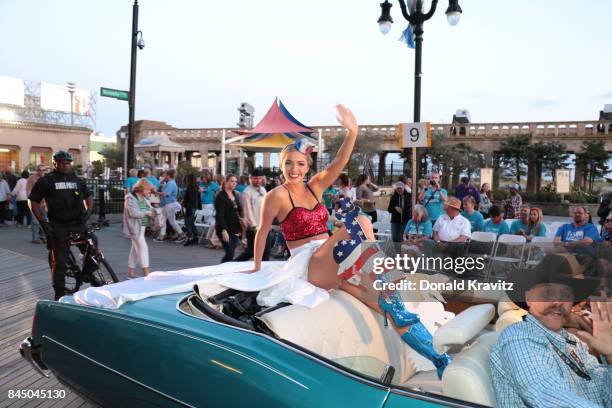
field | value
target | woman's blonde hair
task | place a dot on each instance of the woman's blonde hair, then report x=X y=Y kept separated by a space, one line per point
x=534 y=227
x=141 y=185
x=288 y=149
x=422 y=211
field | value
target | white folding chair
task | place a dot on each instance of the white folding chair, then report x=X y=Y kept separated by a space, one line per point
x=508 y=243
x=201 y=225
x=482 y=244
x=536 y=247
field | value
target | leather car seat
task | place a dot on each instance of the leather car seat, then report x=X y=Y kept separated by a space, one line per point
x=345 y=330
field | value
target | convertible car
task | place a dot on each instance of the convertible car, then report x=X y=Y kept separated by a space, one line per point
x=214 y=347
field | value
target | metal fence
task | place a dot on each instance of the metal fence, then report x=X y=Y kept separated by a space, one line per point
x=108 y=195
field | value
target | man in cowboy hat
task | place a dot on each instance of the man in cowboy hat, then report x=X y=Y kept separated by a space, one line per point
x=538 y=363
x=450 y=232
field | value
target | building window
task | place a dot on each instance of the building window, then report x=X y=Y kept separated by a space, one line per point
x=9 y=156
x=40 y=155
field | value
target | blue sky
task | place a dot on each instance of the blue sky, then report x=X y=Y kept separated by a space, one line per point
x=505 y=61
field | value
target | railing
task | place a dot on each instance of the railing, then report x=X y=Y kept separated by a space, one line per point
x=108 y=195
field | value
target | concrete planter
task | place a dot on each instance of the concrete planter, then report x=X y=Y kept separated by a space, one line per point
x=566 y=210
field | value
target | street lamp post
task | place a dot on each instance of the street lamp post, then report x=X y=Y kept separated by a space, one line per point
x=137 y=41
x=413 y=13
x=71 y=89
x=123 y=136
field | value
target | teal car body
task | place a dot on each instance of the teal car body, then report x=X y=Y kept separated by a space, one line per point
x=151 y=353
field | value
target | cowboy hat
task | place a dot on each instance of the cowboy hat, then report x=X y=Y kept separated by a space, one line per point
x=454 y=203
x=553 y=268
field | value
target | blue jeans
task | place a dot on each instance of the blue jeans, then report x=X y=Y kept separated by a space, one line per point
x=229 y=247
x=35 y=226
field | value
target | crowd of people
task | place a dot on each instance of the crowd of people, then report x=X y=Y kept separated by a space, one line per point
x=14 y=194
x=323 y=222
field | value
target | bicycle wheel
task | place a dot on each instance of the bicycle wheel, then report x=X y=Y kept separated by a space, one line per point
x=103 y=274
x=72 y=279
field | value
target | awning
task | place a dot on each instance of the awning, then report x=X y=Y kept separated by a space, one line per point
x=277 y=129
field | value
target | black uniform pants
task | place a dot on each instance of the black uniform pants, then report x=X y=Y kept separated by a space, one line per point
x=59 y=245
x=3 y=209
x=250 y=247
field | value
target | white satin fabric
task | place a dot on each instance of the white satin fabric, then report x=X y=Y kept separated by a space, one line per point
x=276 y=282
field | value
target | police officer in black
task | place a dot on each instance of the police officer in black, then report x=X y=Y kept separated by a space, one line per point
x=69 y=204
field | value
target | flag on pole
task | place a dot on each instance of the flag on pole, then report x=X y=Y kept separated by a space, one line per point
x=408 y=37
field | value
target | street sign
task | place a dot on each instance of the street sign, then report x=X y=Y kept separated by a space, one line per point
x=414 y=135
x=486 y=176
x=563 y=181
x=115 y=93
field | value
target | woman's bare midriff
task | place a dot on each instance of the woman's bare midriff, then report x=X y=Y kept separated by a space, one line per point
x=294 y=244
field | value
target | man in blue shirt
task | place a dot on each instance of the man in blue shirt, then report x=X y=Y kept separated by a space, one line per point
x=129 y=182
x=579 y=232
x=496 y=222
x=153 y=180
x=579 y=238
x=433 y=198
x=537 y=362
x=474 y=217
x=169 y=207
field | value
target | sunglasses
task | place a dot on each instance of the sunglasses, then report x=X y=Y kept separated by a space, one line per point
x=608 y=220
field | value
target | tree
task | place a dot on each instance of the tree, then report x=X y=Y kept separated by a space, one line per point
x=184 y=168
x=446 y=158
x=513 y=155
x=365 y=149
x=465 y=158
x=593 y=159
x=544 y=158
x=113 y=155
x=97 y=168
x=555 y=157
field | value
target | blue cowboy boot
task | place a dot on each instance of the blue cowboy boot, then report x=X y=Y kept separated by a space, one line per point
x=420 y=340
x=393 y=305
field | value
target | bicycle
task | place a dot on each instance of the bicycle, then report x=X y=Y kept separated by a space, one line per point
x=91 y=266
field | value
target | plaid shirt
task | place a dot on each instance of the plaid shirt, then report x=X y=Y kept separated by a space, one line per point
x=526 y=370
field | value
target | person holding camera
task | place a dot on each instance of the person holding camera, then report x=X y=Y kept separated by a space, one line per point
x=433 y=198
x=69 y=203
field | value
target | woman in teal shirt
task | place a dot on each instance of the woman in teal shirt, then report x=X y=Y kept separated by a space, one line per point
x=417 y=230
x=474 y=217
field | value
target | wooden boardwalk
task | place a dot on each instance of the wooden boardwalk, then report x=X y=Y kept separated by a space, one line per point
x=23 y=281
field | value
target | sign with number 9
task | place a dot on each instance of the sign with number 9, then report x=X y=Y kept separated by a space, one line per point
x=414 y=134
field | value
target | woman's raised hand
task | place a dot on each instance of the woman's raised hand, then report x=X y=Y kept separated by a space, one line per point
x=346 y=118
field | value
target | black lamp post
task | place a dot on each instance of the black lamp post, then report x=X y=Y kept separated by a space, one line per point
x=413 y=13
x=137 y=41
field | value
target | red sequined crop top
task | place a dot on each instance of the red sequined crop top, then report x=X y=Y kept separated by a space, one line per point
x=302 y=222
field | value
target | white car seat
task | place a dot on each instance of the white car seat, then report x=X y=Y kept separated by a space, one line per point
x=345 y=330
x=468 y=377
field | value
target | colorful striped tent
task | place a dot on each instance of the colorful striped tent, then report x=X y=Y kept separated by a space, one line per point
x=277 y=129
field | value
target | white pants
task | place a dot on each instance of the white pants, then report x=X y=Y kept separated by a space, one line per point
x=169 y=213
x=139 y=251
